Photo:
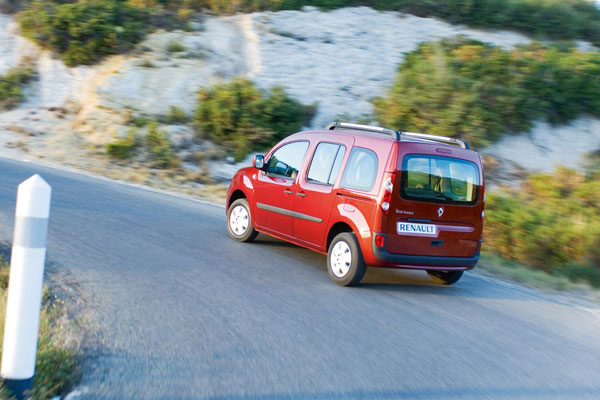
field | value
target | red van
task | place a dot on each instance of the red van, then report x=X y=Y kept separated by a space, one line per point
x=366 y=195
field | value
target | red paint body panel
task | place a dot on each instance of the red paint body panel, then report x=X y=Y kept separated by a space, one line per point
x=276 y=192
x=316 y=199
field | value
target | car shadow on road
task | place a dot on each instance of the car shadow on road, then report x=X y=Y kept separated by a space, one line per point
x=417 y=282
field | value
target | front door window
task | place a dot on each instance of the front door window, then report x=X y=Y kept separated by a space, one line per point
x=287 y=160
x=275 y=190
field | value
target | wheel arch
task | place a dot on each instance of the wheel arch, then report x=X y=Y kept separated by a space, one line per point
x=336 y=229
x=237 y=194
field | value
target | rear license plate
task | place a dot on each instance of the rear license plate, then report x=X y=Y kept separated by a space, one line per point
x=407 y=228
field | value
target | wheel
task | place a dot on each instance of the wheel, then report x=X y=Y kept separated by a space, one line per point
x=345 y=262
x=444 y=277
x=239 y=221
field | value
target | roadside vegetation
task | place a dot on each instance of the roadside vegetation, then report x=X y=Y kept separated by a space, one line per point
x=526 y=275
x=475 y=91
x=553 y=19
x=84 y=31
x=242 y=118
x=550 y=223
x=56 y=369
x=154 y=147
x=11 y=87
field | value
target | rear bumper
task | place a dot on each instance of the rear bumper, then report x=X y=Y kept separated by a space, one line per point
x=387 y=259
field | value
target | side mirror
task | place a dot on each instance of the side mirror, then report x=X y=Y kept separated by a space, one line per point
x=259 y=162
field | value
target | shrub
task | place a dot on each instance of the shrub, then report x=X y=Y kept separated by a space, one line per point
x=120 y=149
x=468 y=89
x=123 y=148
x=176 y=116
x=243 y=118
x=175 y=47
x=147 y=64
x=159 y=146
x=85 y=31
x=11 y=85
x=140 y=121
x=551 y=223
x=156 y=143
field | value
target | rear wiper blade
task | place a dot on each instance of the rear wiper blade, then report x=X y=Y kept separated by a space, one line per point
x=441 y=196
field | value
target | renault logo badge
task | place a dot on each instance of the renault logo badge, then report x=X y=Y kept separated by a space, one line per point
x=440 y=211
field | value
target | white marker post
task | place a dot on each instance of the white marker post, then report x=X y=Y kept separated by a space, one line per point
x=25 y=285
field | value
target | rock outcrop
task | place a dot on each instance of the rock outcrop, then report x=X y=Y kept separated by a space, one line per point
x=339 y=60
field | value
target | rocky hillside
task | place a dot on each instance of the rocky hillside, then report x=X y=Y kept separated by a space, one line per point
x=339 y=60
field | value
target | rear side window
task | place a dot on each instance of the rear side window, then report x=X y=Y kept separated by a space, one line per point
x=439 y=180
x=287 y=160
x=361 y=170
x=325 y=165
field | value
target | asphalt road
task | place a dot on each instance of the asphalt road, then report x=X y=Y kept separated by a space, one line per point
x=177 y=310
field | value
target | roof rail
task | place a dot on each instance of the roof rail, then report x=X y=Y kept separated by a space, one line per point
x=361 y=127
x=437 y=138
x=398 y=134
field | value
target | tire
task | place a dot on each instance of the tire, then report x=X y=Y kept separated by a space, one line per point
x=444 y=277
x=345 y=262
x=239 y=221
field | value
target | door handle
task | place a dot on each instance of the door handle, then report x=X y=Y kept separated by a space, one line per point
x=301 y=194
x=288 y=191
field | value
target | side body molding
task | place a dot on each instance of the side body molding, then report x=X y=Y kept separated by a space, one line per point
x=283 y=211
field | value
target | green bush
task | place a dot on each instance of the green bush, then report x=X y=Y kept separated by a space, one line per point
x=155 y=146
x=147 y=64
x=11 y=85
x=176 y=116
x=551 y=223
x=243 y=118
x=85 y=31
x=123 y=148
x=175 y=47
x=140 y=121
x=159 y=146
x=464 y=88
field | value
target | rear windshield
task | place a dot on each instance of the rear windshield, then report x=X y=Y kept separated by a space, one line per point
x=439 y=180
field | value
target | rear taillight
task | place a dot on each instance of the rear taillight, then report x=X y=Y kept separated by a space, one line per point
x=379 y=240
x=388 y=185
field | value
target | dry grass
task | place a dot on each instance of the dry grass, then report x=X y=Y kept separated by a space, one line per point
x=56 y=369
x=528 y=276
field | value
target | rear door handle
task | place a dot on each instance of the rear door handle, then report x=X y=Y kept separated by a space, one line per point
x=301 y=194
x=288 y=191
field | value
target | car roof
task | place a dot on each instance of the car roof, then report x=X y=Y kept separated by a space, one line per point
x=371 y=136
